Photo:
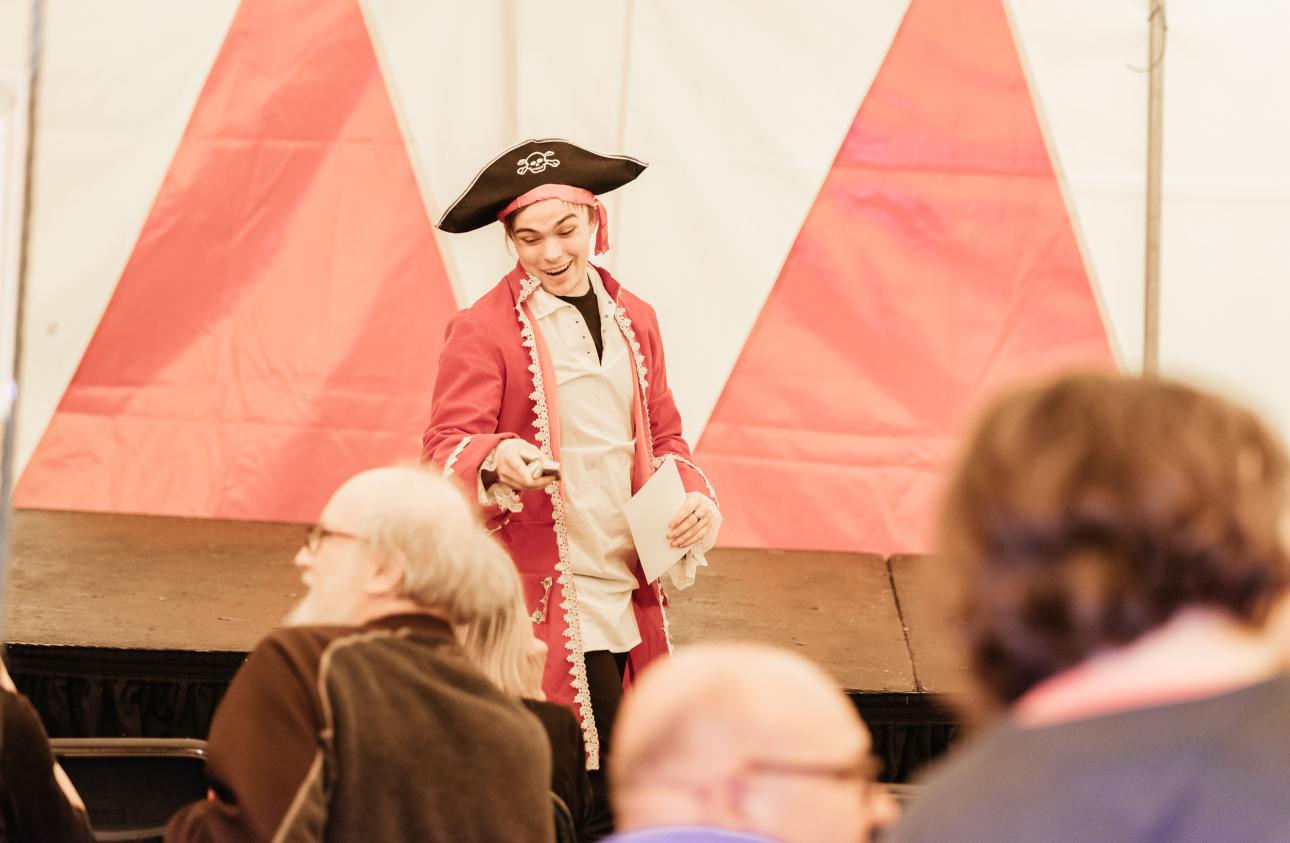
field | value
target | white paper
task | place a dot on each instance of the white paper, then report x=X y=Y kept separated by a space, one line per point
x=648 y=513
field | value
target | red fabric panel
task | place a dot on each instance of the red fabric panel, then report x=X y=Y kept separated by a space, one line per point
x=277 y=325
x=937 y=263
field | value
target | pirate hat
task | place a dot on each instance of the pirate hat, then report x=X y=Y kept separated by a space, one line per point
x=508 y=182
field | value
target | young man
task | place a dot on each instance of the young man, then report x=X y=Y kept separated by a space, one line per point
x=559 y=369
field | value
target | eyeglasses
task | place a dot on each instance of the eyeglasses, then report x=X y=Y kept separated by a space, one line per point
x=862 y=773
x=315 y=535
x=863 y=769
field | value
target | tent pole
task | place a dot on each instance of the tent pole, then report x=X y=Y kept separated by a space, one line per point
x=1155 y=146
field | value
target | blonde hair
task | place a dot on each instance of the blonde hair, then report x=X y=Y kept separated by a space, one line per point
x=501 y=645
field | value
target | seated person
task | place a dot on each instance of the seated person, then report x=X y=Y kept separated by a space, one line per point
x=742 y=742
x=37 y=800
x=504 y=647
x=363 y=720
x=1116 y=547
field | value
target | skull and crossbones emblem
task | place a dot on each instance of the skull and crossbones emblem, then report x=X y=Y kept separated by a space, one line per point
x=537 y=162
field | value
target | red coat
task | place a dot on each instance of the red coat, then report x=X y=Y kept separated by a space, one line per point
x=496 y=381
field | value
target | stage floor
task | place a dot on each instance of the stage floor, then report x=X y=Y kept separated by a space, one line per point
x=133 y=625
x=150 y=583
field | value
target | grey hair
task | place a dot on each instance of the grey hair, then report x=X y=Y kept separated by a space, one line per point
x=451 y=563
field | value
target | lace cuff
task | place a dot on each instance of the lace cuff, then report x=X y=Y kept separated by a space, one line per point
x=681 y=575
x=499 y=494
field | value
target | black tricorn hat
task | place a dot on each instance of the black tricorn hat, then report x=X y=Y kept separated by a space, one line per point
x=530 y=164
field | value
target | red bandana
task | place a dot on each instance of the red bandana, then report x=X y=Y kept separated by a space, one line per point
x=568 y=193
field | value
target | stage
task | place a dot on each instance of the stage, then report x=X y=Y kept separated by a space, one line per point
x=132 y=626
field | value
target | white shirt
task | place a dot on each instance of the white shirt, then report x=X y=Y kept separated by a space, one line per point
x=597 y=448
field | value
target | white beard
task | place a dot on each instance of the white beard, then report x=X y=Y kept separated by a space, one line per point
x=301 y=614
x=311 y=611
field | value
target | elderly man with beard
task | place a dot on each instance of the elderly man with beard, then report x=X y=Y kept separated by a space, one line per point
x=362 y=719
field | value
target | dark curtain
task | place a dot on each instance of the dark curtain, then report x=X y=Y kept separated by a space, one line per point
x=93 y=692
x=84 y=692
x=908 y=730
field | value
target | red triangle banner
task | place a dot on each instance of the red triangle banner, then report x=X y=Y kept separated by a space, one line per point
x=277 y=326
x=937 y=263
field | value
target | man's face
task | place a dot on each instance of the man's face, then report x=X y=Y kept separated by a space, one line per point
x=335 y=566
x=823 y=790
x=553 y=241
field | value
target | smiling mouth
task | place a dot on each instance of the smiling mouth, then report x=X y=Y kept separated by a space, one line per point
x=560 y=271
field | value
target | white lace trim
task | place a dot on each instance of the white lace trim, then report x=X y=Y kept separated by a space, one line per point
x=504 y=497
x=499 y=494
x=456 y=452
x=568 y=592
x=712 y=493
x=662 y=610
x=625 y=325
x=683 y=571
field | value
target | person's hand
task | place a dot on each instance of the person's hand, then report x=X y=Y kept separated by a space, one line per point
x=691 y=521
x=513 y=458
x=69 y=790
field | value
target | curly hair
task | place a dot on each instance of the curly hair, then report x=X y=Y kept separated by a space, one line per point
x=1087 y=511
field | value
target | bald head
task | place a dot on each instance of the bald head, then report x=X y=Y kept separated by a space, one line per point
x=741 y=736
x=402 y=538
x=743 y=699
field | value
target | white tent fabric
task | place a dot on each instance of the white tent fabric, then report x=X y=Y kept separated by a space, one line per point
x=1092 y=103
x=739 y=107
x=1226 y=252
x=738 y=141
x=118 y=82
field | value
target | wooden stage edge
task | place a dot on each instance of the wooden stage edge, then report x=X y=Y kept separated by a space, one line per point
x=98 y=606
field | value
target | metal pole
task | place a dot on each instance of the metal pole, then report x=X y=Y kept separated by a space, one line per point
x=1155 y=146
x=629 y=23
x=511 y=58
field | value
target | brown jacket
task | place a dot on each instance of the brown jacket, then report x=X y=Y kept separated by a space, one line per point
x=32 y=806
x=381 y=732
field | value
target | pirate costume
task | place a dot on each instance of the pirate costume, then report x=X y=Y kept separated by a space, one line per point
x=584 y=380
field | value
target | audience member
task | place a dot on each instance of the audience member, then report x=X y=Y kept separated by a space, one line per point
x=1116 y=547
x=37 y=800
x=364 y=720
x=742 y=742
x=503 y=646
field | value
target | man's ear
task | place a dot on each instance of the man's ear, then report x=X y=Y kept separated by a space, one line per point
x=727 y=800
x=388 y=569
x=752 y=805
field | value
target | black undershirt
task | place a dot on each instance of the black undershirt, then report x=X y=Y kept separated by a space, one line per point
x=589 y=306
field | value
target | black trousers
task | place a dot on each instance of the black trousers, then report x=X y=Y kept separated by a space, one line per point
x=605 y=685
